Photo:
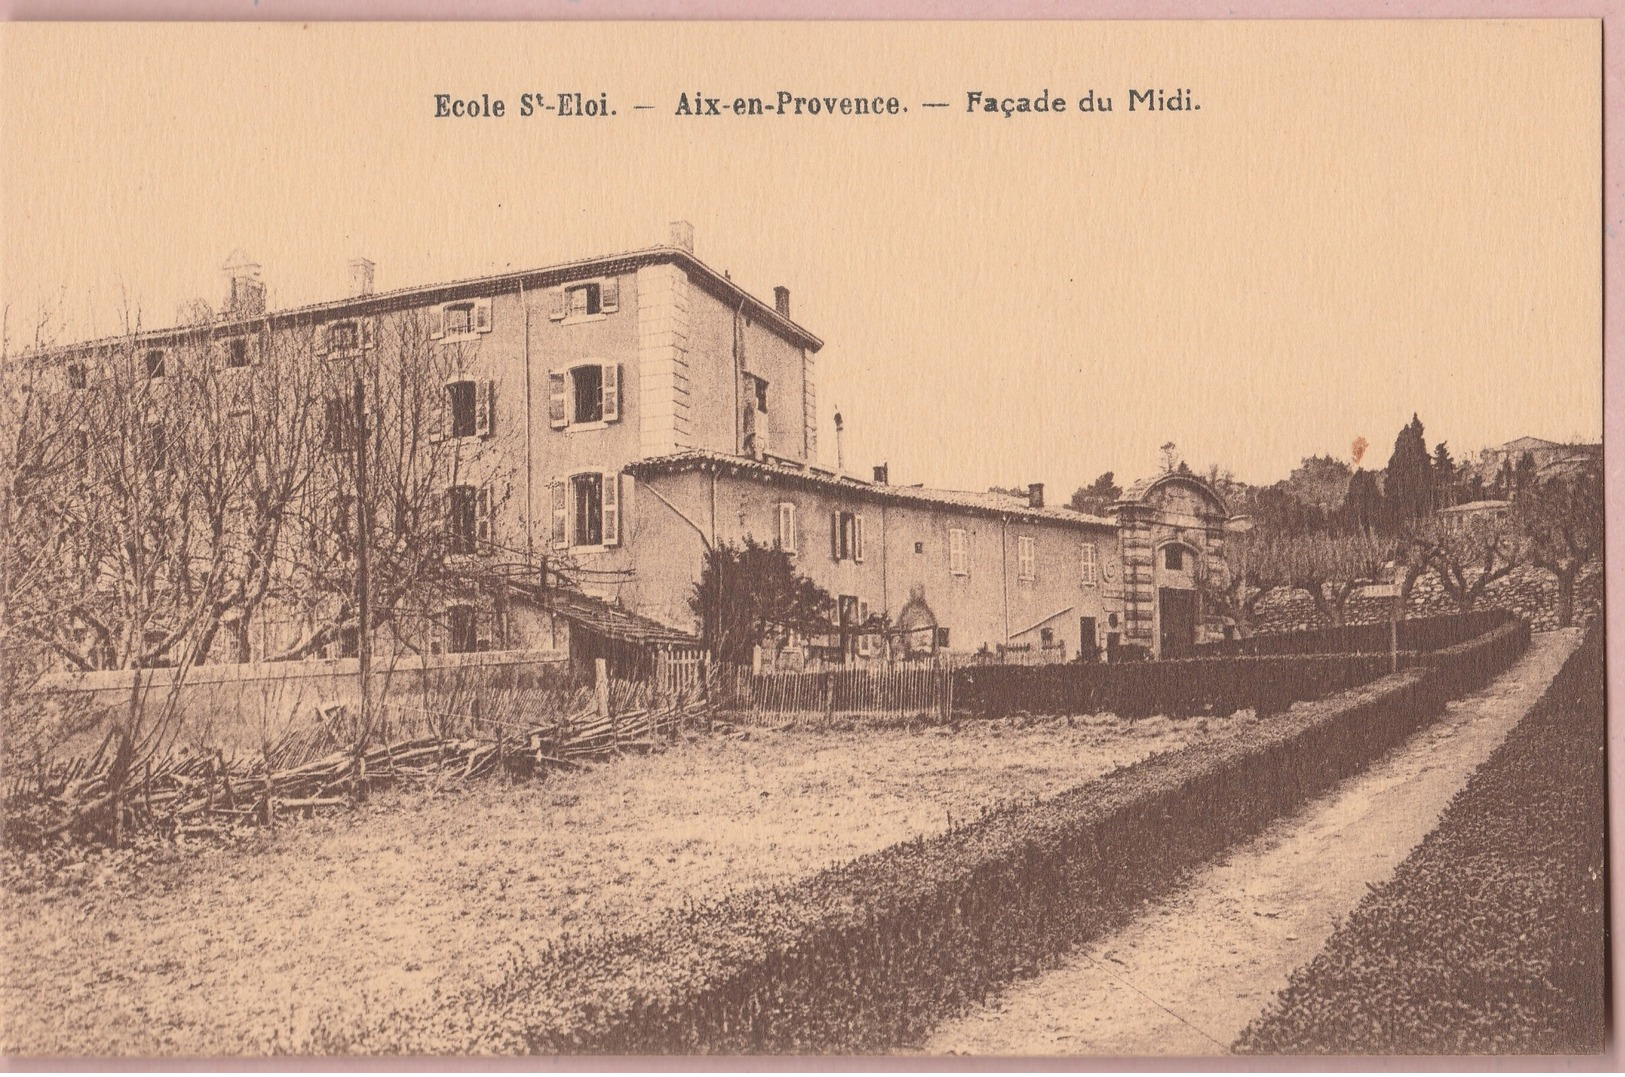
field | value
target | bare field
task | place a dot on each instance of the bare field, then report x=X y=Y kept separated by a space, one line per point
x=235 y=950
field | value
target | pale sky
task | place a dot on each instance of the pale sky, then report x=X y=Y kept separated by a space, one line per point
x=1362 y=221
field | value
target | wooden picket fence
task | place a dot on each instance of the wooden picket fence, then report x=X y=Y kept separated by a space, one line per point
x=913 y=692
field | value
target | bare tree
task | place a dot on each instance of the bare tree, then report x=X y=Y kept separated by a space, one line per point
x=1562 y=520
x=1331 y=566
x=1471 y=554
x=1254 y=566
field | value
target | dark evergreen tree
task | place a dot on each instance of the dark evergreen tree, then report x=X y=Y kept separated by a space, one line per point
x=1444 y=477
x=1408 y=485
x=1097 y=495
x=1362 y=504
x=747 y=594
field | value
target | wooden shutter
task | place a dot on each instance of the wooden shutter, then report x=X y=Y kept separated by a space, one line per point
x=482 y=315
x=368 y=328
x=835 y=536
x=609 y=295
x=558 y=491
x=484 y=515
x=558 y=399
x=612 y=392
x=857 y=537
x=321 y=341
x=787 y=526
x=560 y=305
x=437 y=322
x=440 y=414
x=485 y=418
x=865 y=643
x=612 y=508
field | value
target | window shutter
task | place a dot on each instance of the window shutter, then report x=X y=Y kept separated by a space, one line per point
x=612 y=508
x=857 y=537
x=612 y=392
x=560 y=307
x=609 y=295
x=835 y=536
x=865 y=643
x=321 y=341
x=558 y=400
x=560 y=535
x=787 y=527
x=369 y=332
x=482 y=315
x=485 y=408
x=486 y=633
x=440 y=415
x=437 y=322
x=484 y=508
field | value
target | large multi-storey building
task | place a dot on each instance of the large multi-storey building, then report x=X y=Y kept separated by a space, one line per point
x=621 y=415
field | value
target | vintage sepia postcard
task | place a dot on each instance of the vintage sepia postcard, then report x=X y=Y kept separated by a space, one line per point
x=902 y=540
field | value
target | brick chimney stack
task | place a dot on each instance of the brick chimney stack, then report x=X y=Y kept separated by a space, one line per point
x=682 y=236
x=361 y=274
x=1035 y=495
x=781 y=300
x=882 y=475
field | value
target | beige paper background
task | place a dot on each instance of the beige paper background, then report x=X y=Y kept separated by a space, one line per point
x=1364 y=219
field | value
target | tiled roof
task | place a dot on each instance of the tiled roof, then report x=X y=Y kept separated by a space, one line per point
x=790 y=474
x=491 y=283
x=615 y=622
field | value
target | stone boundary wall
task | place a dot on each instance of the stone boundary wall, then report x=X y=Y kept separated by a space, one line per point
x=1529 y=592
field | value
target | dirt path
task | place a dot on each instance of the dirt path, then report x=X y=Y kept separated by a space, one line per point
x=1189 y=973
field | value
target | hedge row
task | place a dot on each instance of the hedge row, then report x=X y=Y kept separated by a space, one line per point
x=1177 y=689
x=870 y=954
x=1415 y=634
x=1490 y=938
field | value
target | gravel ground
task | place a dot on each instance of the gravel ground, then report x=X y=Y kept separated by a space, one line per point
x=234 y=950
x=1192 y=970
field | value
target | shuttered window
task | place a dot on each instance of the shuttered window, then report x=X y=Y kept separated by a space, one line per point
x=1088 y=568
x=787 y=526
x=1026 y=557
x=958 y=552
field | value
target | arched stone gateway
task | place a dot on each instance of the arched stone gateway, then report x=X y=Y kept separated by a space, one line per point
x=1172 y=532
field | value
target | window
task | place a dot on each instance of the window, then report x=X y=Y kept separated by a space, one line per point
x=1087 y=566
x=462 y=636
x=587 y=510
x=337 y=425
x=754 y=418
x=919 y=547
x=459 y=319
x=1173 y=558
x=1026 y=558
x=846 y=611
x=787 y=527
x=155 y=363
x=585 y=299
x=158 y=444
x=343 y=337
x=460 y=408
x=588 y=393
x=237 y=352
x=78 y=376
x=958 y=552
x=462 y=505
x=587 y=386
x=846 y=536
x=866 y=642
x=759 y=392
x=942 y=639
x=1046 y=637
x=588 y=299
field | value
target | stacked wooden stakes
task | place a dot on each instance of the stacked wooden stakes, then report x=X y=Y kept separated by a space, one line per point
x=315 y=767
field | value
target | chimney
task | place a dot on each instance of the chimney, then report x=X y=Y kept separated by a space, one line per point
x=682 y=236
x=1035 y=495
x=781 y=300
x=882 y=476
x=245 y=292
x=361 y=270
x=840 y=458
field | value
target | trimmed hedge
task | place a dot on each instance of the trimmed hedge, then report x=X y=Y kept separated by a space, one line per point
x=1490 y=937
x=1415 y=634
x=1178 y=688
x=870 y=954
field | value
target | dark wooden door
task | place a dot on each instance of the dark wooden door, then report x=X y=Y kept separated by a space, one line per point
x=1088 y=649
x=1176 y=611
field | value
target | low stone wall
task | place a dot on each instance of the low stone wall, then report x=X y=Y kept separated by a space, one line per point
x=232 y=706
x=1529 y=592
